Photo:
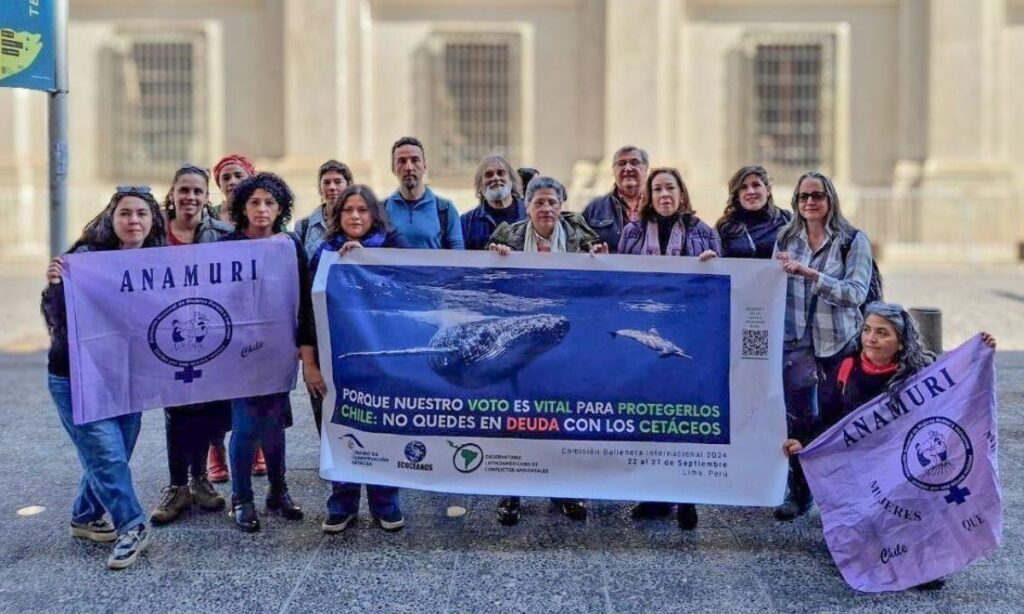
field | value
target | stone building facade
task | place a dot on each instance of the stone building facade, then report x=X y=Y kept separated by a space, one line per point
x=911 y=105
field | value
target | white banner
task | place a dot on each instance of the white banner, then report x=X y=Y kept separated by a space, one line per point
x=564 y=375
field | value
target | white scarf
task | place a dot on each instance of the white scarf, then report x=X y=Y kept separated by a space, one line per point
x=557 y=238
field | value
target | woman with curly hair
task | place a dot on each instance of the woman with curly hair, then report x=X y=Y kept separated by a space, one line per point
x=131 y=220
x=261 y=207
x=751 y=221
x=888 y=354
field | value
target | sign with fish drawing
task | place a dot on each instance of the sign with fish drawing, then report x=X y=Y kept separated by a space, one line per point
x=27 y=57
x=617 y=377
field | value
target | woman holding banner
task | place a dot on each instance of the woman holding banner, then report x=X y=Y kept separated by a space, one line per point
x=751 y=221
x=888 y=354
x=545 y=229
x=130 y=220
x=190 y=428
x=355 y=220
x=261 y=207
x=668 y=227
x=830 y=267
x=229 y=171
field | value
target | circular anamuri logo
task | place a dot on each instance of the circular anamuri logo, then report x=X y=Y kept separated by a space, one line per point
x=188 y=333
x=938 y=455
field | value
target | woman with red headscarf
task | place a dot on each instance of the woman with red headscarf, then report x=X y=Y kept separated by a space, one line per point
x=228 y=173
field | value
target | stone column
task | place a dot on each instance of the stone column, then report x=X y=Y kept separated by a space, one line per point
x=641 y=68
x=913 y=93
x=965 y=94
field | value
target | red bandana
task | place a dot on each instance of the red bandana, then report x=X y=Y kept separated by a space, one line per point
x=871 y=368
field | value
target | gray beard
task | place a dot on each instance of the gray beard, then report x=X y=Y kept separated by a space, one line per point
x=496 y=195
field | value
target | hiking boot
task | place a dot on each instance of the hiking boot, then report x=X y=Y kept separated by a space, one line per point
x=205 y=495
x=176 y=500
x=245 y=516
x=98 y=530
x=216 y=465
x=128 y=547
x=336 y=523
x=259 y=464
x=650 y=510
x=686 y=516
x=795 y=505
x=573 y=508
x=280 y=502
x=510 y=510
x=391 y=521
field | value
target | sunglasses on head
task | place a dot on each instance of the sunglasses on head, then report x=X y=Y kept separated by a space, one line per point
x=192 y=168
x=133 y=189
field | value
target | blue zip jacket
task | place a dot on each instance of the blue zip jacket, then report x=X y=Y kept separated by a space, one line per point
x=418 y=223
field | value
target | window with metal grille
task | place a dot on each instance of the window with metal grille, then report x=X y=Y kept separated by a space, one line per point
x=158 y=118
x=792 y=103
x=476 y=101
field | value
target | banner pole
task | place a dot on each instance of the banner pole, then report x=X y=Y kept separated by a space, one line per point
x=58 y=132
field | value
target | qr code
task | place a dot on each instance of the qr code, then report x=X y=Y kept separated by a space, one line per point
x=755 y=344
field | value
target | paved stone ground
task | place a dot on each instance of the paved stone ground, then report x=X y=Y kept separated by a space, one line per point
x=738 y=560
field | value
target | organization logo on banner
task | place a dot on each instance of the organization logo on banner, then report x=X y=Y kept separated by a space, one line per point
x=467 y=457
x=352 y=442
x=937 y=456
x=415 y=452
x=190 y=333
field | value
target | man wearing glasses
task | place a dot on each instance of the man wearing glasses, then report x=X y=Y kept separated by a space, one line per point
x=610 y=213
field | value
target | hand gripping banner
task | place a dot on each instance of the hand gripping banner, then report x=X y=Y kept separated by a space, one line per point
x=171 y=326
x=616 y=377
x=909 y=486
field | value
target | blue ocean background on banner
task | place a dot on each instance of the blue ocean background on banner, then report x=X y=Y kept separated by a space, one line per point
x=27 y=57
x=389 y=308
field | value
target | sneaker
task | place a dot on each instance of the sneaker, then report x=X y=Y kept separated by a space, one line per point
x=391 y=521
x=650 y=510
x=216 y=465
x=128 y=547
x=573 y=508
x=686 y=516
x=259 y=464
x=176 y=500
x=510 y=510
x=336 y=523
x=205 y=495
x=98 y=530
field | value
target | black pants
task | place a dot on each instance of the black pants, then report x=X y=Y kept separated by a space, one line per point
x=189 y=429
x=318 y=410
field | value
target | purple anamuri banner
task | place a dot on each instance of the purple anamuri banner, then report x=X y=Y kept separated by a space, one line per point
x=171 y=326
x=909 y=488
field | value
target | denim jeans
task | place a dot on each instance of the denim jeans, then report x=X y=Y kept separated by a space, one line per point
x=255 y=420
x=344 y=499
x=104 y=448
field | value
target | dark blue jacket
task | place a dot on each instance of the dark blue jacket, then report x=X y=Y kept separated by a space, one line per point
x=607 y=216
x=478 y=224
x=751 y=235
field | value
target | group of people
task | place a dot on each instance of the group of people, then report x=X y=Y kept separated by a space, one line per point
x=841 y=349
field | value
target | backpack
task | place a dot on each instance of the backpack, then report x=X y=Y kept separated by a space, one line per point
x=442 y=218
x=302 y=229
x=875 y=284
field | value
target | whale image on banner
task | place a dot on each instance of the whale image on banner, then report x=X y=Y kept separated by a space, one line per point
x=554 y=374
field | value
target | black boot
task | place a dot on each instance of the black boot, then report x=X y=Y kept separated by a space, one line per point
x=687 y=516
x=280 y=502
x=244 y=513
x=798 y=495
x=510 y=511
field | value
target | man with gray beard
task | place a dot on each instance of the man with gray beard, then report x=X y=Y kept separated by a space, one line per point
x=501 y=200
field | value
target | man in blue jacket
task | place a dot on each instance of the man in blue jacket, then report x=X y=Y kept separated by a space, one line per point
x=501 y=200
x=421 y=218
x=610 y=213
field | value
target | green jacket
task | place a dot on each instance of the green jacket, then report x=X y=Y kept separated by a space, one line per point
x=578 y=236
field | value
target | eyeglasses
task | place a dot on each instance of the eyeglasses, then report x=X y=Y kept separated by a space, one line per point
x=133 y=189
x=809 y=196
x=634 y=162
